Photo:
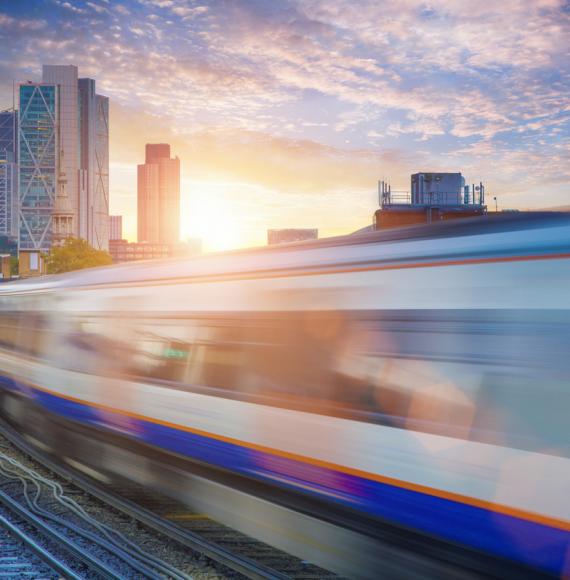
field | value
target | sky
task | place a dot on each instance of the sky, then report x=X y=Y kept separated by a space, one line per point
x=285 y=113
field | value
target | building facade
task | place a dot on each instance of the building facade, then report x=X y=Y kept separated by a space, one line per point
x=124 y=251
x=115 y=227
x=93 y=176
x=63 y=163
x=158 y=196
x=38 y=166
x=64 y=77
x=289 y=235
x=8 y=174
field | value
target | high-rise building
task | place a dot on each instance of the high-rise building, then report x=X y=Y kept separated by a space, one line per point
x=8 y=174
x=65 y=78
x=93 y=165
x=38 y=161
x=116 y=227
x=158 y=196
x=64 y=153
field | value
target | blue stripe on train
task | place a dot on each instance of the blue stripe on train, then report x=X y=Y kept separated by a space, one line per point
x=527 y=542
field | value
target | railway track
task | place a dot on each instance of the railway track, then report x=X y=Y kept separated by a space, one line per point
x=22 y=557
x=42 y=511
x=190 y=545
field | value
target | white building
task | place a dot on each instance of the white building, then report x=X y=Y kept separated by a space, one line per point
x=83 y=151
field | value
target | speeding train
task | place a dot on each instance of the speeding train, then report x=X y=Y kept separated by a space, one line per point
x=378 y=403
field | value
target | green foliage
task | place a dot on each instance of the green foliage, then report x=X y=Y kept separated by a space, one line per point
x=75 y=254
x=14 y=265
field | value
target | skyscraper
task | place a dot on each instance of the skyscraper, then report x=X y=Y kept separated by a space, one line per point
x=38 y=160
x=65 y=78
x=8 y=174
x=93 y=165
x=158 y=196
x=64 y=152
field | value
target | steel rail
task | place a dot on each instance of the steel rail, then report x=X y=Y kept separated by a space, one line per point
x=195 y=542
x=89 y=560
x=126 y=550
x=41 y=552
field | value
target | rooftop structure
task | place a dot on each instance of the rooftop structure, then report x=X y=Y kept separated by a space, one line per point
x=432 y=197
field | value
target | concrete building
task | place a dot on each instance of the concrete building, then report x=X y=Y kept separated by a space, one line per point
x=158 y=196
x=124 y=251
x=291 y=235
x=115 y=227
x=8 y=174
x=93 y=177
x=64 y=77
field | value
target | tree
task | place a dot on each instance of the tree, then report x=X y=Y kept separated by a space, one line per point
x=14 y=265
x=75 y=254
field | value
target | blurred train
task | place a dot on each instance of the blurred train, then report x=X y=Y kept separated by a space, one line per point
x=407 y=388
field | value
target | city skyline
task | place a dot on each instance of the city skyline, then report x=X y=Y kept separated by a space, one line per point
x=285 y=115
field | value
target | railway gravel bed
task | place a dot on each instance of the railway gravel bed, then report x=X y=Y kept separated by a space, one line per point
x=186 y=544
x=20 y=555
x=238 y=543
x=89 y=538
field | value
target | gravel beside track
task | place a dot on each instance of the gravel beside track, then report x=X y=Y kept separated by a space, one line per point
x=236 y=542
x=89 y=538
x=184 y=544
x=21 y=556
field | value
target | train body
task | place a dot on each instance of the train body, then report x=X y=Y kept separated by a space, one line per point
x=417 y=379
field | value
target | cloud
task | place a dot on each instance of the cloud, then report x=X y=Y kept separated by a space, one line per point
x=20 y=24
x=309 y=97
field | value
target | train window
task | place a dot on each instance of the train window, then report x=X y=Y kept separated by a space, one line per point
x=88 y=345
x=525 y=412
x=36 y=334
x=9 y=324
x=161 y=349
x=287 y=359
x=393 y=373
x=217 y=359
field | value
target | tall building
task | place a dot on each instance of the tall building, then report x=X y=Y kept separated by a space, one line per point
x=65 y=78
x=93 y=165
x=158 y=196
x=38 y=161
x=8 y=174
x=63 y=150
x=116 y=227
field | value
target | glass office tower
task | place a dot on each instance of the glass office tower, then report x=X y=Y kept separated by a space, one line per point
x=38 y=153
x=8 y=174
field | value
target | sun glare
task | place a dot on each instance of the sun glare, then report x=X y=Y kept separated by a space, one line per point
x=208 y=214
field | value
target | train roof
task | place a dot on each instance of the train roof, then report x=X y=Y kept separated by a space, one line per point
x=285 y=255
